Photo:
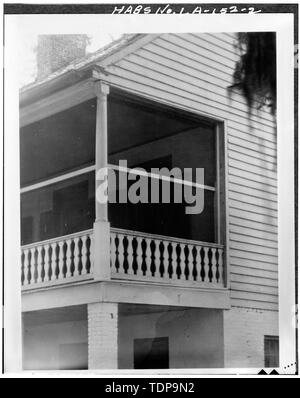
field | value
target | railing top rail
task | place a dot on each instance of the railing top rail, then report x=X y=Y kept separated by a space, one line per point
x=57 y=239
x=165 y=238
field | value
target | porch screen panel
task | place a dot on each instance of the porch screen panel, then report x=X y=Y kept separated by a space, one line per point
x=146 y=136
x=57 y=144
x=58 y=209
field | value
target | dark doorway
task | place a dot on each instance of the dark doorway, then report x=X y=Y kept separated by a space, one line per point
x=151 y=353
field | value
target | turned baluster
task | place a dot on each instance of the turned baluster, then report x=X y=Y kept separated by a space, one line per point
x=162 y=255
x=46 y=263
x=182 y=261
x=221 y=268
x=113 y=252
x=139 y=256
x=76 y=257
x=130 y=255
x=26 y=265
x=198 y=263
x=173 y=265
x=148 y=258
x=190 y=263
x=91 y=254
x=68 y=258
x=204 y=264
x=121 y=253
x=214 y=265
x=39 y=264
x=84 y=254
x=60 y=270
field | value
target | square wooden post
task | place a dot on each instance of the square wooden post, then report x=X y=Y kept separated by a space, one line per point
x=101 y=225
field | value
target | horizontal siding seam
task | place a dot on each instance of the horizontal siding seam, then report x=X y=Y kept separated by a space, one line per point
x=215 y=40
x=265 y=197
x=169 y=40
x=253 y=172
x=253 y=283
x=231 y=126
x=202 y=39
x=251 y=155
x=255 y=229
x=251 y=236
x=166 y=46
x=251 y=204
x=256 y=261
x=250 y=164
x=256 y=308
x=167 y=59
x=232 y=137
x=253 y=244
x=254 y=270
x=241 y=101
x=222 y=38
x=254 y=292
x=231 y=189
x=231 y=206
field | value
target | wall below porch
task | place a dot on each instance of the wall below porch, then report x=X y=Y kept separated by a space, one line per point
x=195 y=335
x=59 y=338
x=244 y=331
x=55 y=339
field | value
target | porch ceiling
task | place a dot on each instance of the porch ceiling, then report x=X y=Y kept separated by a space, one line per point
x=55 y=315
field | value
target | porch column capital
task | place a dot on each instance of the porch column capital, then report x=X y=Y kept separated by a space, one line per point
x=101 y=89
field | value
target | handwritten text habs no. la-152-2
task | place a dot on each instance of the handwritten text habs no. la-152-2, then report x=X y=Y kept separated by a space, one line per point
x=167 y=9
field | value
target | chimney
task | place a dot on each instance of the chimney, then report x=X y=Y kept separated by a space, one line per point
x=57 y=51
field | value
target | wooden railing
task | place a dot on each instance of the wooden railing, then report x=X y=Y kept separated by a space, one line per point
x=141 y=256
x=133 y=256
x=60 y=259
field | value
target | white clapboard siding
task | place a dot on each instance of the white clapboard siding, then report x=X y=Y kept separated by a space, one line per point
x=241 y=238
x=263 y=143
x=238 y=170
x=236 y=153
x=253 y=225
x=252 y=194
x=253 y=265
x=272 y=283
x=243 y=182
x=251 y=232
x=242 y=273
x=257 y=148
x=194 y=71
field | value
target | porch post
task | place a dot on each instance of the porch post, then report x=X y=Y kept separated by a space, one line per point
x=103 y=335
x=101 y=225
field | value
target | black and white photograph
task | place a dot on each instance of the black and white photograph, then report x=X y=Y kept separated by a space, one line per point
x=149 y=196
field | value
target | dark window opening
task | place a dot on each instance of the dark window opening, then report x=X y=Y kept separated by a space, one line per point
x=271 y=346
x=151 y=353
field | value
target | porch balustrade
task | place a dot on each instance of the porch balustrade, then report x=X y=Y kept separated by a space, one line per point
x=57 y=260
x=133 y=256
x=141 y=256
